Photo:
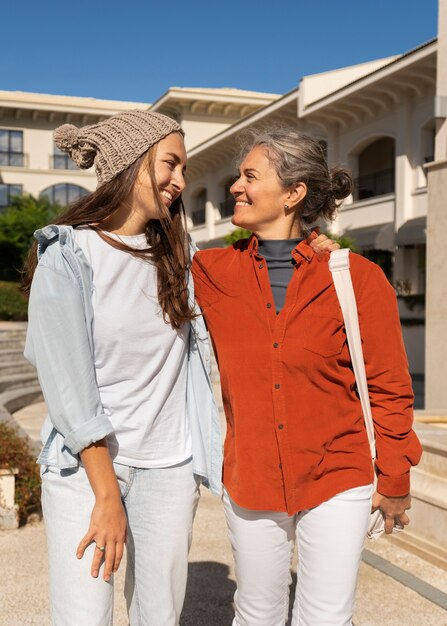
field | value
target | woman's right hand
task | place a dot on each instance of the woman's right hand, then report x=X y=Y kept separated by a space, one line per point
x=108 y=521
x=108 y=530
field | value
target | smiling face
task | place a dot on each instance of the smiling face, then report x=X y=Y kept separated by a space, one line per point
x=169 y=169
x=260 y=198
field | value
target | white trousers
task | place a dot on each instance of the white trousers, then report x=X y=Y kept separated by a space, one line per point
x=330 y=540
x=160 y=506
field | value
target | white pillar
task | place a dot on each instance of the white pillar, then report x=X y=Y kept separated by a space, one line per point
x=436 y=310
x=404 y=171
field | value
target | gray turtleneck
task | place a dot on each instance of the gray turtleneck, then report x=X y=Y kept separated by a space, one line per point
x=280 y=263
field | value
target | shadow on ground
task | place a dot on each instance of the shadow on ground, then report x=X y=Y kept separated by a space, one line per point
x=209 y=595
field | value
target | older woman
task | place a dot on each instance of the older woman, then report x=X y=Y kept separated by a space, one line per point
x=297 y=460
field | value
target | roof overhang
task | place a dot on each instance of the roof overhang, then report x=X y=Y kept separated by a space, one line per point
x=378 y=91
x=225 y=102
x=222 y=148
x=61 y=109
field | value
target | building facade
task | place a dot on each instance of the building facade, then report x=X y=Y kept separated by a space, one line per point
x=377 y=118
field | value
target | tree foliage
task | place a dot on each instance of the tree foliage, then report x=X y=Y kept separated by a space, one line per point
x=343 y=241
x=235 y=235
x=17 y=225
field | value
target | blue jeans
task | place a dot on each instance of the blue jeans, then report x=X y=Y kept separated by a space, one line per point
x=160 y=506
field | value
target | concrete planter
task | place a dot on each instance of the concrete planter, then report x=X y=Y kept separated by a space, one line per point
x=8 y=508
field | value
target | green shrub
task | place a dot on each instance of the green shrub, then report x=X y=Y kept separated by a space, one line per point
x=17 y=225
x=13 y=304
x=235 y=235
x=16 y=453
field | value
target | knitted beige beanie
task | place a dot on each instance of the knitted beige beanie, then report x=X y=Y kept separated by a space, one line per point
x=114 y=144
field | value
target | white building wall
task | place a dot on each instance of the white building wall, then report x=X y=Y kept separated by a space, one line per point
x=200 y=128
x=405 y=125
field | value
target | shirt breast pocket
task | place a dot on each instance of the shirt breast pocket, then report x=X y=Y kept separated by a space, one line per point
x=324 y=335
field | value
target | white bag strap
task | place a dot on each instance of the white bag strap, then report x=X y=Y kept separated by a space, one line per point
x=341 y=275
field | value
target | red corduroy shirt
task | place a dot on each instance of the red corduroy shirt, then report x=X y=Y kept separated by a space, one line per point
x=295 y=429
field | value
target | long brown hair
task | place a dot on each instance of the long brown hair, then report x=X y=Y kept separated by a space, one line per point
x=167 y=237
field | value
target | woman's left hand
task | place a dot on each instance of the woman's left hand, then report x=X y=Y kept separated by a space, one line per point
x=393 y=510
x=323 y=244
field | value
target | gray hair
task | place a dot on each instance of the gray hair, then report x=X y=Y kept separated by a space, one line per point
x=297 y=157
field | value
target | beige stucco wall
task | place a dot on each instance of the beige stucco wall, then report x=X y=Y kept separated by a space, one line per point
x=37 y=173
x=200 y=128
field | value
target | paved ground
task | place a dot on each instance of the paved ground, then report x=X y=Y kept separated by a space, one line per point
x=384 y=599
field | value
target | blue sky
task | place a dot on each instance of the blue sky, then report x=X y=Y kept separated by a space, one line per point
x=136 y=50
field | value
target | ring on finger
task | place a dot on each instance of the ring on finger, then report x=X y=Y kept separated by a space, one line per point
x=101 y=548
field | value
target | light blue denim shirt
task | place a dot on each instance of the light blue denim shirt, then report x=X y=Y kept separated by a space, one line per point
x=59 y=344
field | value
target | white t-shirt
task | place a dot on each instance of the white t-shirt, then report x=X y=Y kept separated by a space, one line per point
x=140 y=361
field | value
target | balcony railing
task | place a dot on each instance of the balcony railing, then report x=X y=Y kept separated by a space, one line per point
x=227 y=207
x=13 y=159
x=198 y=217
x=371 y=185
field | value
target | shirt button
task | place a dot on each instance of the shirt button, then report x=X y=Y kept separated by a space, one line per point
x=280 y=466
x=280 y=426
x=269 y=305
x=277 y=386
x=276 y=345
x=261 y=265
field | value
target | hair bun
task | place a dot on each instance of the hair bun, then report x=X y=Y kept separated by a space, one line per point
x=341 y=181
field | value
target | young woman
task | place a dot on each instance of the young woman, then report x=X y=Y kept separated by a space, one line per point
x=123 y=361
x=297 y=461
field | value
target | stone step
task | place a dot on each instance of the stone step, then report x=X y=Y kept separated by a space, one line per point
x=17 y=381
x=11 y=343
x=13 y=329
x=428 y=529
x=16 y=399
x=12 y=355
x=16 y=367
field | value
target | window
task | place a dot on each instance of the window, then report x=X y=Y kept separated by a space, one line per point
x=64 y=193
x=198 y=213
x=7 y=192
x=376 y=169
x=11 y=147
x=62 y=161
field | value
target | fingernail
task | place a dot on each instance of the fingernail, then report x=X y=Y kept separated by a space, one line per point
x=95 y=574
x=78 y=555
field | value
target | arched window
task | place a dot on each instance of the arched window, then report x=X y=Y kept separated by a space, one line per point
x=198 y=208
x=376 y=169
x=63 y=193
x=226 y=205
